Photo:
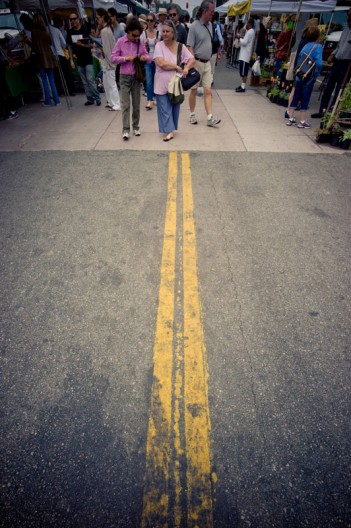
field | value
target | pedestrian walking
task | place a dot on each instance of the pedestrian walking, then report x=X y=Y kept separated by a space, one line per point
x=199 y=42
x=126 y=52
x=165 y=56
x=108 y=68
x=79 y=45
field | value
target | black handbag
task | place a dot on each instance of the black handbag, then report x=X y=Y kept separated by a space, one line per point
x=193 y=76
x=306 y=68
x=191 y=79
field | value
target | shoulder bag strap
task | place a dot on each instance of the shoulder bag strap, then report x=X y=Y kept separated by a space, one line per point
x=209 y=32
x=179 y=54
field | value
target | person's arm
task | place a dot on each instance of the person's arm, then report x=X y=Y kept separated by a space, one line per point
x=117 y=56
x=246 y=40
x=62 y=40
x=318 y=58
x=188 y=59
x=108 y=43
x=219 y=34
x=161 y=62
x=143 y=53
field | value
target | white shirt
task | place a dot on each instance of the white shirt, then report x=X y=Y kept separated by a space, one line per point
x=246 y=45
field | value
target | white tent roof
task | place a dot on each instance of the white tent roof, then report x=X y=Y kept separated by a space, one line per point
x=283 y=6
x=29 y=5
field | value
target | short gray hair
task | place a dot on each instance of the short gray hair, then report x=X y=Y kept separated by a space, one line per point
x=204 y=7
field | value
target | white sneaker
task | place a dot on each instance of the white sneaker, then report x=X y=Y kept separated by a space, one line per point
x=137 y=132
x=193 y=119
x=125 y=136
x=213 y=121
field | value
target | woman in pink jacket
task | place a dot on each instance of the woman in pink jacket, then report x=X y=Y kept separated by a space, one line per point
x=126 y=50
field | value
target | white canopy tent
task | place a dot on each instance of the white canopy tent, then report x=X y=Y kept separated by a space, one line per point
x=283 y=6
x=32 y=5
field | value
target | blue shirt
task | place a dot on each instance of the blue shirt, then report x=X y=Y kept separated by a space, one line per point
x=316 y=55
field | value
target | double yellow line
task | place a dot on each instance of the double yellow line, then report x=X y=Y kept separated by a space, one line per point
x=178 y=479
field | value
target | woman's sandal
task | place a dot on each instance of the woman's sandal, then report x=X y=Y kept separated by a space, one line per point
x=149 y=106
x=168 y=137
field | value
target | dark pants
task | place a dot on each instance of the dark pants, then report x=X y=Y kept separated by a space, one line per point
x=335 y=79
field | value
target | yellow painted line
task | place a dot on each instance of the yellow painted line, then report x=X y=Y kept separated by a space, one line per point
x=197 y=418
x=178 y=480
x=156 y=493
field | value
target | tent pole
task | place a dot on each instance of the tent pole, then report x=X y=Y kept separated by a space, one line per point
x=295 y=25
x=45 y=10
x=330 y=21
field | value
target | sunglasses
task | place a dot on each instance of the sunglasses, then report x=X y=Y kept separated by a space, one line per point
x=76 y=18
x=172 y=14
x=136 y=36
x=150 y=20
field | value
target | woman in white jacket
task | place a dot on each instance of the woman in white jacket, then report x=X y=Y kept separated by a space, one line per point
x=109 y=69
x=246 y=45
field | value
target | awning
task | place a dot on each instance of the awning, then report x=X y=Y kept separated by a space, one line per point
x=29 y=5
x=283 y=6
x=139 y=8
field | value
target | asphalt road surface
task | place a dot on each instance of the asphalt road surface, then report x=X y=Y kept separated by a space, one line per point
x=175 y=340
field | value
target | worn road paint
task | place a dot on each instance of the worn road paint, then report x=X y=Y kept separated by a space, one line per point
x=156 y=492
x=178 y=482
x=197 y=418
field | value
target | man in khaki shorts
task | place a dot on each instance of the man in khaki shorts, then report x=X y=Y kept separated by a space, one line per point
x=200 y=45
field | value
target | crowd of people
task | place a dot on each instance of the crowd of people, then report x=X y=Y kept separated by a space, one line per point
x=144 y=53
x=156 y=47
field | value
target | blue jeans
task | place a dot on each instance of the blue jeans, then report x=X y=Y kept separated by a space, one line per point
x=303 y=92
x=167 y=114
x=47 y=76
x=149 y=79
x=86 y=73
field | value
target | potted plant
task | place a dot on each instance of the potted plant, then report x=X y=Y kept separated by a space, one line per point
x=346 y=139
x=336 y=133
x=323 y=133
x=274 y=94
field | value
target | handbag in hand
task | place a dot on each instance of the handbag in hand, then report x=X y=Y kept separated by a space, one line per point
x=193 y=76
x=139 y=67
x=306 y=68
x=191 y=79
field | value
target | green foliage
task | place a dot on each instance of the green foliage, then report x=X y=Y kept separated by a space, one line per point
x=326 y=120
x=346 y=134
x=346 y=98
x=275 y=90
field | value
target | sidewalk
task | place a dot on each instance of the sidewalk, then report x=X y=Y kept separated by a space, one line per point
x=250 y=123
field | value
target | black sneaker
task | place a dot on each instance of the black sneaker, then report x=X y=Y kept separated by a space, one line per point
x=239 y=89
x=98 y=102
x=88 y=103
